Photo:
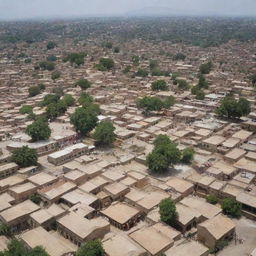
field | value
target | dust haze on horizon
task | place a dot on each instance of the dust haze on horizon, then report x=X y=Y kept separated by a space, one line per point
x=37 y=9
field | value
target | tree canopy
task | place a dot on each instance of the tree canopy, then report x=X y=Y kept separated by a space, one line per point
x=104 y=133
x=105 y=64
x=39 y=130
x=51 y=45
x=83 y=84
x=159 y=85
x=187 y=155
x=16 y=248
x=75 y=58
x=68 y=100
x=164 y=154
x=232 y=108
x=167 y=211
x=206 y=68
x=24 y=156
x=84 y=120
x=26 y=109
x=91 y=248
x=148 y=103
x=231 y=207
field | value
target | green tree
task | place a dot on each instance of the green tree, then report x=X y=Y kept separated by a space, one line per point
x=150 y=104
x=231 y=108
x=75 y=58
x=244 y=106
x=253 y=80
x=35 y=198
x=26 y=109
x=135 y=60
x=206 y=68
x=4 y=230
x=84 y=120
x=212 y=199
x=51 y=58
x=50 y=98
x=157 y=163
x=51 y=45
x=170 y=151
x=179 y=56
x=153 y=64
x=54 y=110
x=231 y=207
x=91 y=248
x=105 y=64
x=24 y=156
x=141 y=73
x=202 y=83
x=161 y=140
x=167 y=211
x=200 y=95
x=164 y=154
x=187 y=155
x=37 y=251
x=116 y=49
x=68 y=100
x=46 y=65
x=39 y=130
x=159 y=85
x=85 y=99
x=169 y=101
x=183 y=84
x=55 y=75
x=83 y=84
x=33 y=91
x=104 y=133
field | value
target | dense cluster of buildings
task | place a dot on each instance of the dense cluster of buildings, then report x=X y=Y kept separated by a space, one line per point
x=87 y=193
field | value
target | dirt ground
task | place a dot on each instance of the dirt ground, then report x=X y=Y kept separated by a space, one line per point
x=246 y=230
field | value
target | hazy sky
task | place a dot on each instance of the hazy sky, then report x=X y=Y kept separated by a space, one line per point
x=23 y=9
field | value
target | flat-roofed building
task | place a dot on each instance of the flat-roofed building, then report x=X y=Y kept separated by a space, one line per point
x=17 y=216
x=191 y=248
x=207 y=210
x=8 y=169
x=246 y=165
x=243 y=135
x=122 y=215
x=54 y=192
x=202 y=185
x=146 y=201
x=76 y=176
x=114 y=246
x=22 y=191
x=46 y=217
x=248 y=202
x=42 y=179
x=94 y=185
x=230 y=191
x=116 y=190
x=79 y=230
x=235 y=154
x=212 y=142
x=11 y=181
x=228 y=170
x=78 y=196
x=181 y=186
x=67 y=154
x=216 y=229
x=187 y=218
x=152 y=240
x=52 y=245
